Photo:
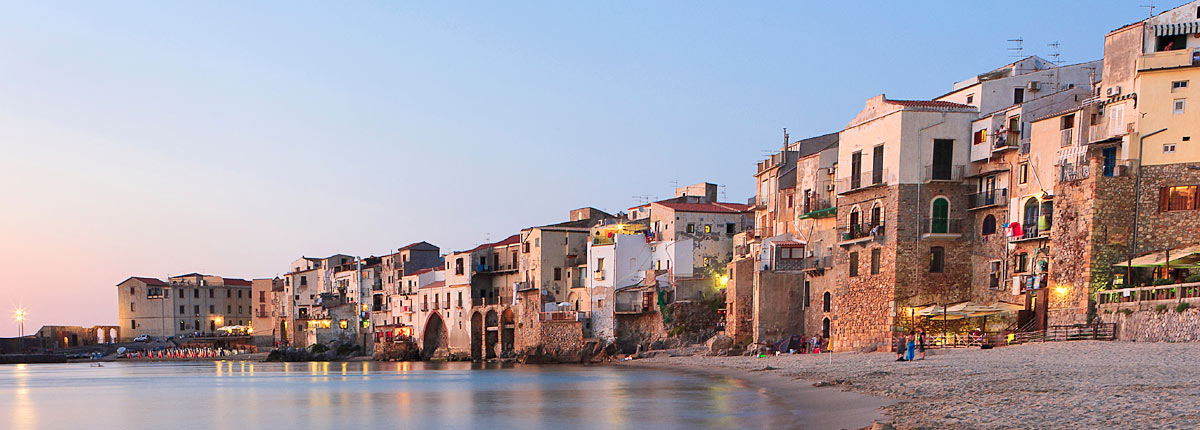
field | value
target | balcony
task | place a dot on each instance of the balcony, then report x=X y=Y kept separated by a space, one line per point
x=989 y=198
x=1069 y=172
x=598 y=275
x=1166 y=60
x=817 y=263
x=943 y=172
x=941 y=228
x=495 y=268
x=817 y=208
x=864 y=180
x=261 y=314
x=1006 y=141
x=1030 y=233
x=562 y=316
x=856 y=233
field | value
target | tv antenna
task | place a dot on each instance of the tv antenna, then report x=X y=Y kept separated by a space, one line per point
x=641 y=199
x=1057 y=55
x=1019 y=47
x=1149 y=6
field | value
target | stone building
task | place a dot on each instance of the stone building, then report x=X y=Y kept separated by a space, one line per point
x=266 y=296
x=185 y=304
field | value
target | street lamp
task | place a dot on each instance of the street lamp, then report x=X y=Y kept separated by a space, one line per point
x=19 y=315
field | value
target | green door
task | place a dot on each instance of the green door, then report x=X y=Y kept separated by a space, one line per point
x=941 y=216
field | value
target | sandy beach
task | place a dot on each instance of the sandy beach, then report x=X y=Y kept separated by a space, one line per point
x=1086 y=384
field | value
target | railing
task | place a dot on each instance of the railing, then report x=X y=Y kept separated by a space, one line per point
x=859 y=231
x=941 y=225
x=1073 y=172
x=1157 y=293
x=1062 y=333
x=815 y=204
x=997 y=196
x=425 y=307
x=944 y=172
x=598 y=275
x=1006 y=141
x=378 y=308
x=1029 y=233
x=813 y=263
x=485 y=268
x=1023 y=148
x=562 y=316
x=1166 y=59
x=261 y=314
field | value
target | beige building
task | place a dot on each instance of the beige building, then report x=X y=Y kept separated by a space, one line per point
x=185 y=304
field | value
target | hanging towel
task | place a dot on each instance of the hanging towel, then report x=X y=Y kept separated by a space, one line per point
x=1015 y=229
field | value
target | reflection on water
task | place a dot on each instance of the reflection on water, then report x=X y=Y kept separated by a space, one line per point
x=237 y=394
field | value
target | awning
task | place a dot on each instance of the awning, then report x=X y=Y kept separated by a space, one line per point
x=1176 y=29
x=1187 y=257
x=974 y=309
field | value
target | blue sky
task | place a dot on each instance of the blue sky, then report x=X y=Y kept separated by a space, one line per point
x=230 y=138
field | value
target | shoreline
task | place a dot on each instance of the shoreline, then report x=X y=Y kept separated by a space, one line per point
x=812 y=406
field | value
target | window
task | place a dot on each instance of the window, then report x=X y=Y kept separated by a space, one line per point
x=1169 y=148
x=807 y=301
x=794 y=253
x=1020 y=261
x=181 y=293
x=827 y=302
x=875 y=254
x=212 y=325
x=1177 y=85
x=730 y=227
x=708 y=228
x=1067 y=122
x=196 y=293
x=970 y=98
x=133 y=324
x=1181 y=198
x=131 y=292
x=1023 y=173
x=212 y=309
x=979 y=137
x=211 y=294
x=877 y=165
x=825 y=328
x=196 y=324
x=854 y=263
x=228 y=309
x=937 y=259
x=131 y=308
x=1179 y=106
x=458 y=266
x=989 y=225
x=939 y=222
x=1018 y=95
x=182 y=325
x=789 y=201
x=182 y=309
x=691 y=228
x=557 y=273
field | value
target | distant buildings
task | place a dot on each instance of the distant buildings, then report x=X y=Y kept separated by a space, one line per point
x=184 y=304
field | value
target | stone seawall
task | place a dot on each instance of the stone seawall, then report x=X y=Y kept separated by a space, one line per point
x=1151 y=326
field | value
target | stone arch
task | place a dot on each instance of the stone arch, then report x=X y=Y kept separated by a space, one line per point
x=477 y=332
x=508 y=325
x=1029 y=213
x=876 y=216
x=436 y=337
x=827 y=302
x=491 y=338
x=825 y=328
x=989 y=225
x=100 y=336
x=112 y=335
x=855 y=218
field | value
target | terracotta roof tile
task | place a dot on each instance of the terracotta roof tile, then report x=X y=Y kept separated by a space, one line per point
x=929 y=103
x=148 y=281
x=437 y=284
x=707 y=207
x=237 y=282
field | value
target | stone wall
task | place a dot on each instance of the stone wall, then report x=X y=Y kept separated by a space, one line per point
x=1158 y=231
x=1151 y=326
x=635 y=330
x=561 y=341
x=863 y=305
x=739 y=305
x=779 y=303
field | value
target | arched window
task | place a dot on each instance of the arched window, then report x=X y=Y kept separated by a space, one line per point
x=876 y=215
x=855 y=220
x=989 y=225
x=1031 y=215
x=939 y=222
x=827 y=302
x=825 y=328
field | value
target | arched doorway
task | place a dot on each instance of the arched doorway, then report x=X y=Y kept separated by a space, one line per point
x=477 y=332
x=435 y=339
x=112 y=335
x=940 y=221
x=825 y=328
x=100 y=336
x=508 y=326
x=492 y=336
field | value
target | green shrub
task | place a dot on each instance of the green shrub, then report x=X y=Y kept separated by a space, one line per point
x=1160 y=308
x=1182 y=306
x=318 y=348
x=1195 y=277
x=1163 y=281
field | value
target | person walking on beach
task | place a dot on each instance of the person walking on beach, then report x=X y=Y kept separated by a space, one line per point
x=912 y=346
x=900 y=347
x=921 y=342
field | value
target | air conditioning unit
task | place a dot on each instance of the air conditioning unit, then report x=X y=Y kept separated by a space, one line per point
x=1033 y=86
x=1112 y=91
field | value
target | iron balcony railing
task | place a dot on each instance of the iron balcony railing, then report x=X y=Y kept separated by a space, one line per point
x=865 y=179
x=997 y=196
x=936 y=225
x=944 y=172
x=859 y=231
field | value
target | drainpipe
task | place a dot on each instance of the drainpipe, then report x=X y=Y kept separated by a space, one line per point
x=1137 y=206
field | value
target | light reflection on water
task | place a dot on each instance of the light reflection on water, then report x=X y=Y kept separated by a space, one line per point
x=235 y=394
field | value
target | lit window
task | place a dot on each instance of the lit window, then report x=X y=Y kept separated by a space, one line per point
x=1179 y=198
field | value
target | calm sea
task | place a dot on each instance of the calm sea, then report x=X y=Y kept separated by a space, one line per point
x=367 y=395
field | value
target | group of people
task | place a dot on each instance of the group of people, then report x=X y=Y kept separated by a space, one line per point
x=911 y=346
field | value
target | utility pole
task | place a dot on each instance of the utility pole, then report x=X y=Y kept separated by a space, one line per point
x=1150 y=7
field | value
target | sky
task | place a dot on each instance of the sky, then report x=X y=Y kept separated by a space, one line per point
x=230 y=138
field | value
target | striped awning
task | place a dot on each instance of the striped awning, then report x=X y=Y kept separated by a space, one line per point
x=1176 y=29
